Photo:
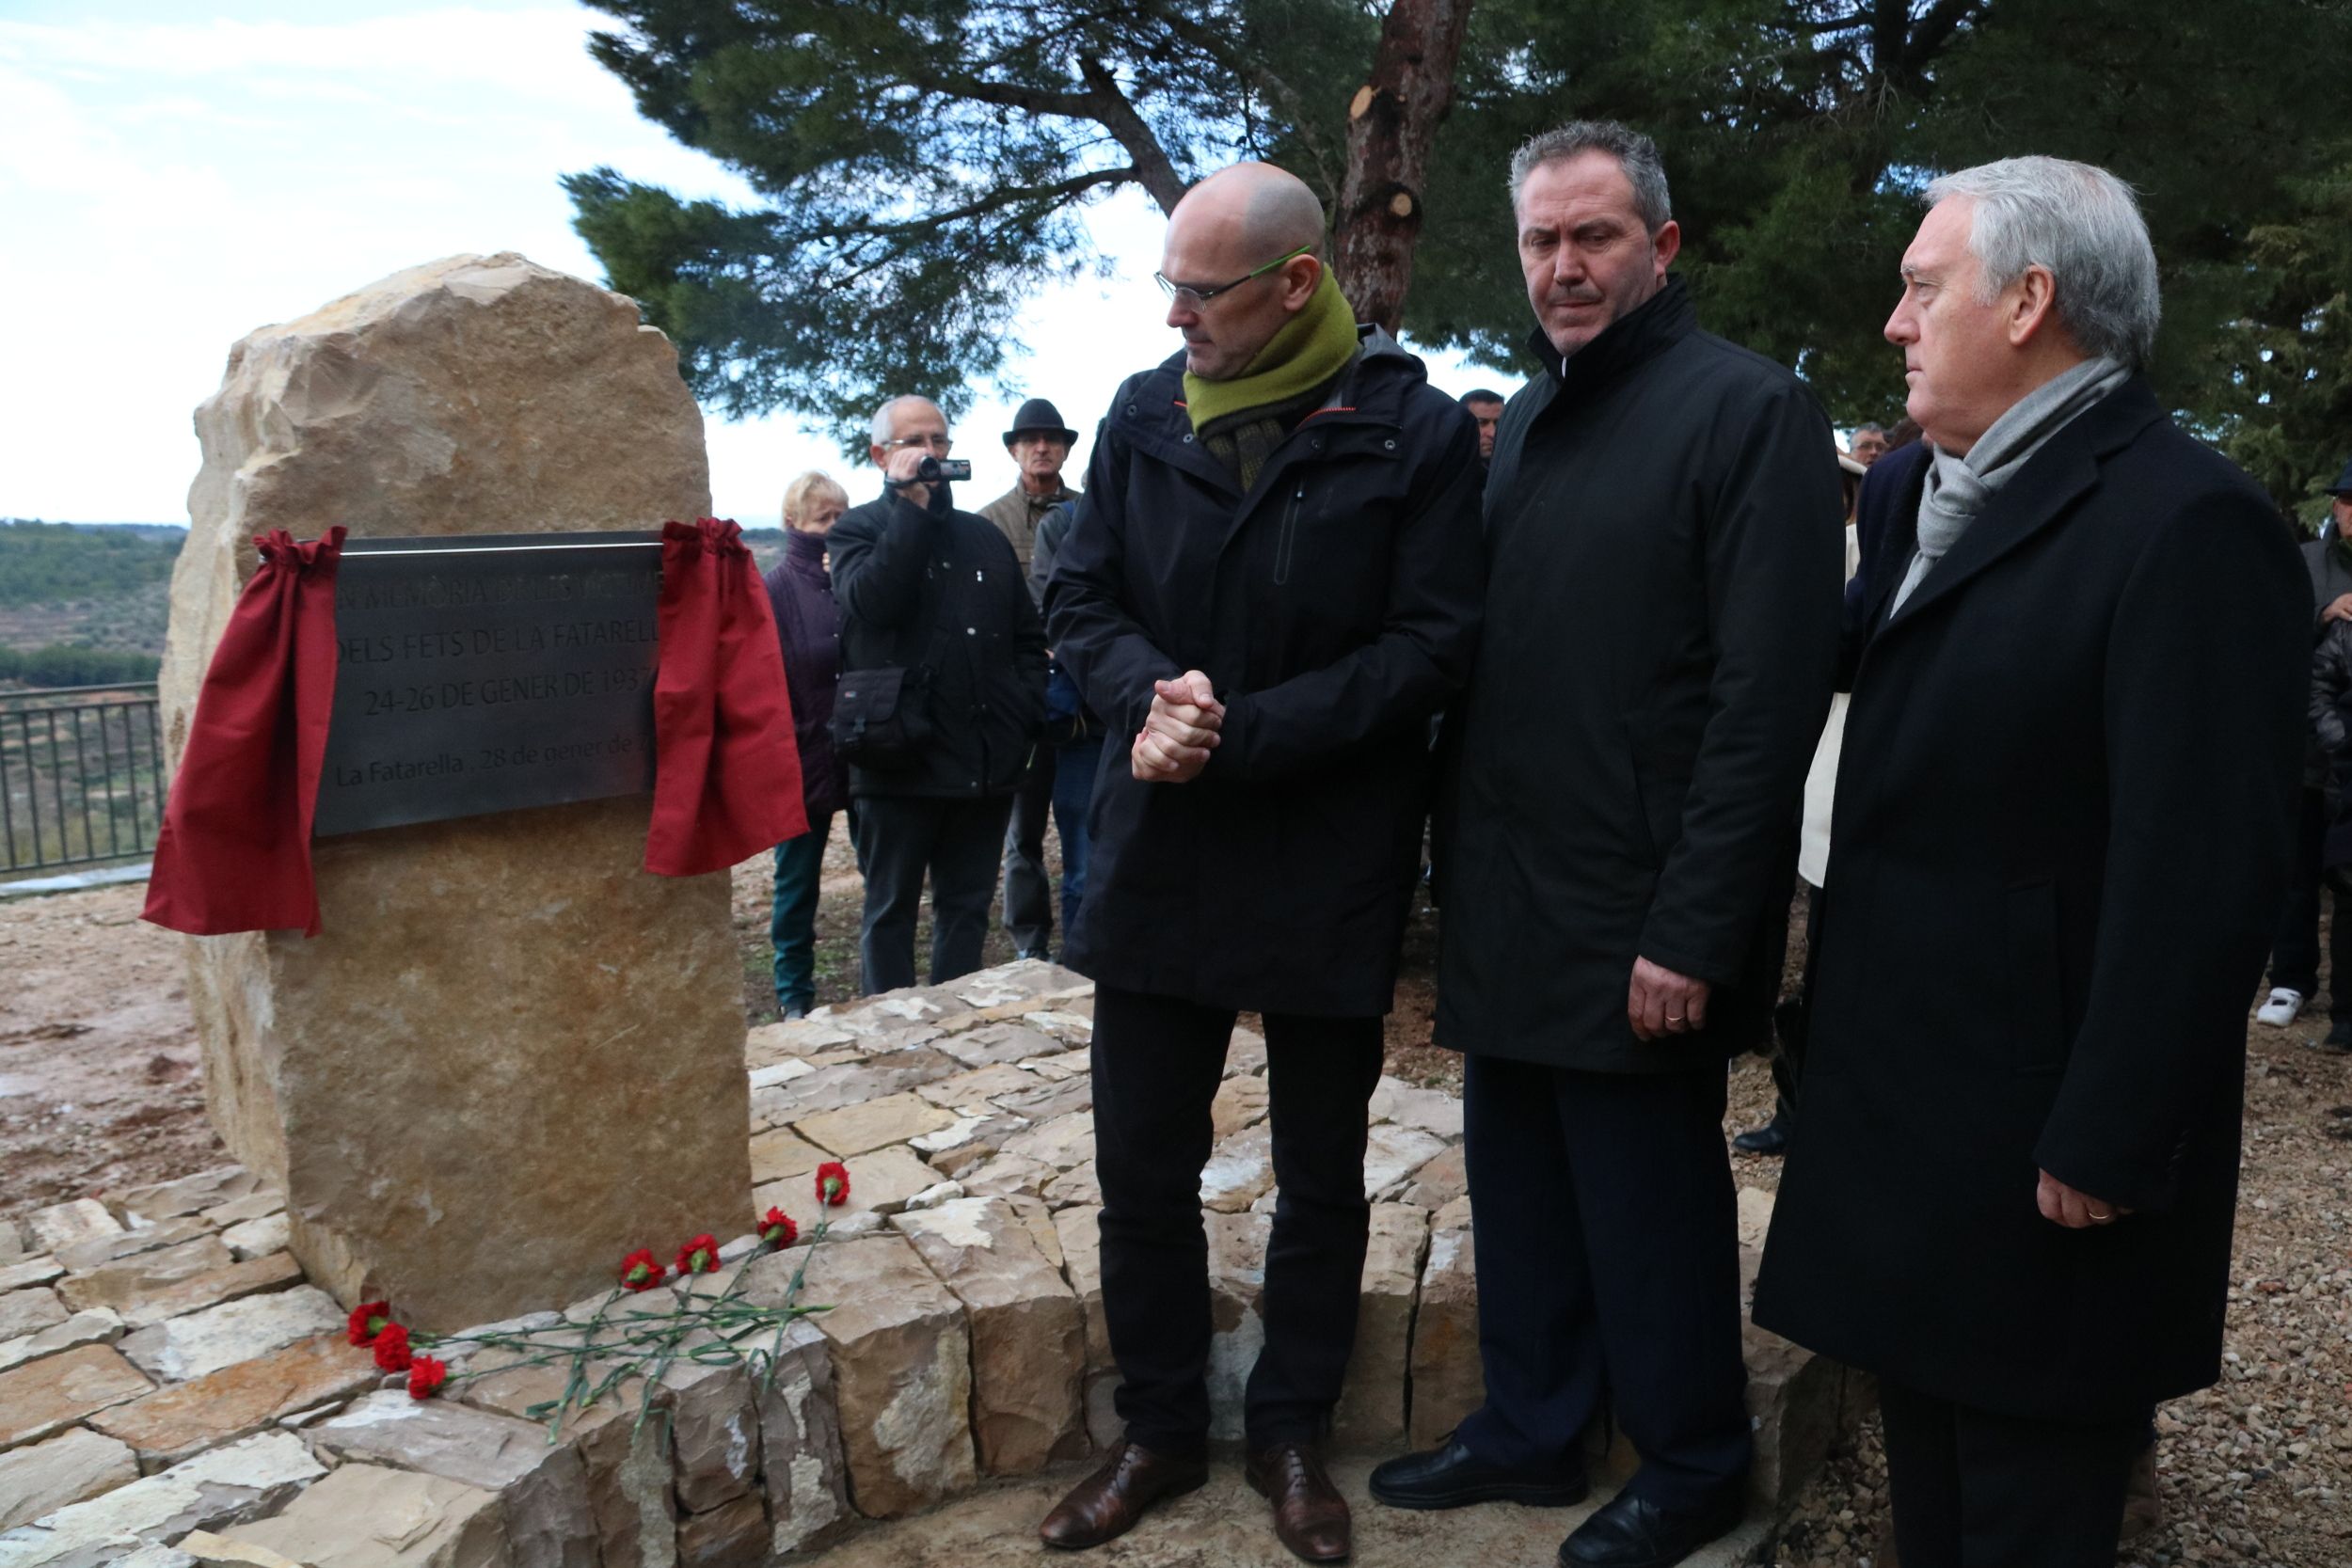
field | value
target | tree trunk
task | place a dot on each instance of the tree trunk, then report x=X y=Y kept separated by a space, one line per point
x=1391 y=126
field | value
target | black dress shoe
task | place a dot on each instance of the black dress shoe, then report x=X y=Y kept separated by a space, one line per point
x=1450 y=1475
x=1630 y=1533
x=1771 y=1138
x=2338 y=1040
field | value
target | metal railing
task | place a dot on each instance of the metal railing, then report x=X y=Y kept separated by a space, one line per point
x=81 y=775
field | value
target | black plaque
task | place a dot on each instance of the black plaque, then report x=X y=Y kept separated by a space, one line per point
x=490 y=672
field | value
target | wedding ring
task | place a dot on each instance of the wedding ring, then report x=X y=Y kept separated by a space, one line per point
x=2108 y=1218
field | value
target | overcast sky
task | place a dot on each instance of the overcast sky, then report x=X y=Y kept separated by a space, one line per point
x=175 y=173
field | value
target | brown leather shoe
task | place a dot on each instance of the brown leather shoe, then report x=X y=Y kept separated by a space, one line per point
x=1309 y=1515
x=1107 y=1503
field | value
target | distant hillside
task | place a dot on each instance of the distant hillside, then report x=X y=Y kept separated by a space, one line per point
x=83 y=602
x=50 y=563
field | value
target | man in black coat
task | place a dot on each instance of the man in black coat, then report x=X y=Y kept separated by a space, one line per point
x=937 y=593
x=2062 y=822
x=1270 y=587
x=1618 y=836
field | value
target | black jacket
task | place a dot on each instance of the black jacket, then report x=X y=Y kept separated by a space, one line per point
x=2064 y=813
x=1664 y=560
x=1335 y=605
x=2331 y=577
x=941 y=592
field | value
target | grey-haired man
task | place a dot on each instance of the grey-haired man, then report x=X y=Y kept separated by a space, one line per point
x=2064 y=818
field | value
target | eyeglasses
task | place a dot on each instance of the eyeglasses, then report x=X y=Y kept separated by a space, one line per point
x=939 y=444
x=1193 y=295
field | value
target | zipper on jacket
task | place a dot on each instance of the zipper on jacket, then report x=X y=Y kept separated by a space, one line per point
x=1284 y=540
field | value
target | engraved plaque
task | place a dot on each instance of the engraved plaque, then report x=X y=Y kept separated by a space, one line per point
x=489 y=672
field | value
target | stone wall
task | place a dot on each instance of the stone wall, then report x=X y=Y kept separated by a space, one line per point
x=965 y=1338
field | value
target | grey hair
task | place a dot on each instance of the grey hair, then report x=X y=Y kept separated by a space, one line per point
x=879 y=432
x=1635 y=153
x=1869 y=427
x=2080 y=223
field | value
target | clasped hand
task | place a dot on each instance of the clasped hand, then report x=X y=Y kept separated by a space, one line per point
x=1179 y=732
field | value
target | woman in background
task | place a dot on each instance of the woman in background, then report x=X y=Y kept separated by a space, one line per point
x=800 y=588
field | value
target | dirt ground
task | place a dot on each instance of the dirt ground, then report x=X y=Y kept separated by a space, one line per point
x=99 y=1088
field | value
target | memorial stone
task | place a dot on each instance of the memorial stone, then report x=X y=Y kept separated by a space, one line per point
x=456 y=1083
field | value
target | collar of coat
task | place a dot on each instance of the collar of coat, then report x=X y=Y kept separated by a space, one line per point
x=2040 y=495
x=1657 y=324
x=1364 y=408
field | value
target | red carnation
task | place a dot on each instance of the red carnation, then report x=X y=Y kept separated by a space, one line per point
x=699 y=1256
x=370 y=1319
x=639 y=1272
x=426 y=1375
x=833 y=1183
x=776 y=1229
x=391 y=1348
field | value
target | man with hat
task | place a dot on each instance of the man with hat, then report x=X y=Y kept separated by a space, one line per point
x=2295 y=950
x=1040 y=444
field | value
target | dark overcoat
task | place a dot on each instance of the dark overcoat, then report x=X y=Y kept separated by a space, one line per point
x=1335 y=605
x=1665 y=554
x=940 y=590
x=2063 y=821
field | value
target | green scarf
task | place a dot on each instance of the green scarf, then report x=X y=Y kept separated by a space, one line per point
x=1311 y=348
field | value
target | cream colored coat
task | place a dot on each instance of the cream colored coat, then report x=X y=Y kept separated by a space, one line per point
x=1820 y=784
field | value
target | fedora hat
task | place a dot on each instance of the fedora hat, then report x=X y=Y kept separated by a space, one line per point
x=1041 y=417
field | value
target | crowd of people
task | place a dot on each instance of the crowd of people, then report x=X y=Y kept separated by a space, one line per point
x=1638 y=647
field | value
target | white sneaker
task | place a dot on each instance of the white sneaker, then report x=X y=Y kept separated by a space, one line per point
x=2280 y=1009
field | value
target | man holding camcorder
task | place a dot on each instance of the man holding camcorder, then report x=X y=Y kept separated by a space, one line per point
x=942 y=693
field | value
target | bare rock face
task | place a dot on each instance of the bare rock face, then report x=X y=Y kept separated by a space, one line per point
x=214 y=1410
x=502 y=1004
x=1449 y=1383
x=902 y=1367
x=369 y=1516
x=1370 y=1412
x=42 y=1478
x=542 y=1487
x=1028 y=1332
x=1237 y=1249
x=623 y=1460
x=800 y=1445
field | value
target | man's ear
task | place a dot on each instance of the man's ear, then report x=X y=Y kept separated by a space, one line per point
x=1667 y=244
x=1301 y=277
x=2031 y=306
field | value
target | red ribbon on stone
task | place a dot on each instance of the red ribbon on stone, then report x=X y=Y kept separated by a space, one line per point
x=234 y=852
x=727 y=771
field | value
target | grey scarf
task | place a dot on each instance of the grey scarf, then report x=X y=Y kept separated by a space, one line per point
x=1959 y=489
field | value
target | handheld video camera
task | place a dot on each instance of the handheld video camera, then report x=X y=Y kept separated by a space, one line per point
x=932 y=470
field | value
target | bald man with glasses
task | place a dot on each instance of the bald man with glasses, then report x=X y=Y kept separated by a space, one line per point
x=1269 y=587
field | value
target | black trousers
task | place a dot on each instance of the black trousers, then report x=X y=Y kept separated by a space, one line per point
x=1157 y=1064
x=1028 y=896
x=2295 y=953
x=899 y=838
x=1608 y=1273
x=1970 y=1489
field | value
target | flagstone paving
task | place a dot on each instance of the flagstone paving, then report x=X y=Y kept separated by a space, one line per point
x=956 y=1385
